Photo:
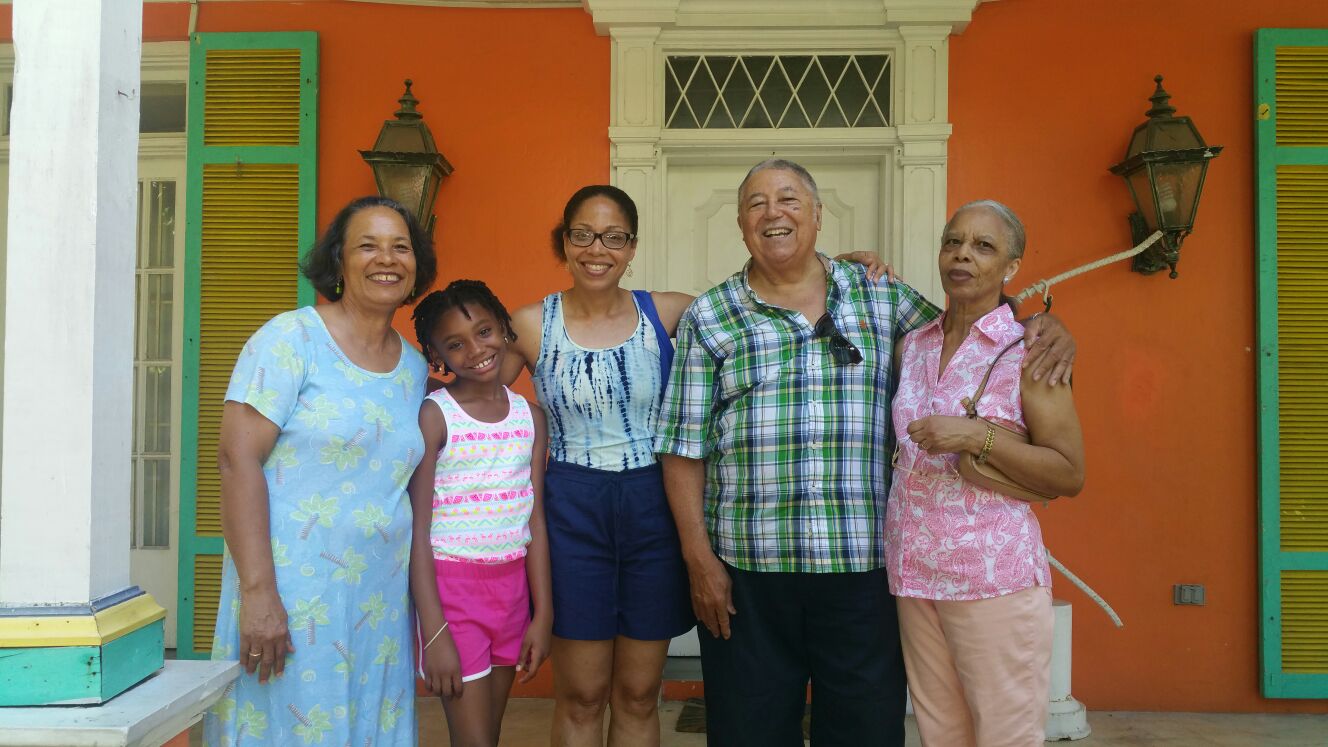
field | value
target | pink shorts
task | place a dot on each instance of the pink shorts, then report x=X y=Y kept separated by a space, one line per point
x=487 y=608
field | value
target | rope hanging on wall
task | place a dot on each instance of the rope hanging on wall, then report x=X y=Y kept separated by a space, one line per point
x=1044 y=286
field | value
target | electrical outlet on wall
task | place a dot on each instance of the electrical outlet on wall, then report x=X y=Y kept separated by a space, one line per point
x=1188 y=594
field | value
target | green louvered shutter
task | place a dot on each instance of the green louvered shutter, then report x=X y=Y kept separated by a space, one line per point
x=253 y=104
x=1291 y=132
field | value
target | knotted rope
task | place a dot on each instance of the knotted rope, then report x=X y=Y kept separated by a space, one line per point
x=1044 y=286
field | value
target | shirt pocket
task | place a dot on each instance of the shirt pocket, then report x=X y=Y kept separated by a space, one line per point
x=756 y=363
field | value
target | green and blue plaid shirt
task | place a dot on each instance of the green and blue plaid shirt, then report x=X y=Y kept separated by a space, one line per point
x=795 y=444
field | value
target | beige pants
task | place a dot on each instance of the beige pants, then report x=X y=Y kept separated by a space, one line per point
x=978 y=671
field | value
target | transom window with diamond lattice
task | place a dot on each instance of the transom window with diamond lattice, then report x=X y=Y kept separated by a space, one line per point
x=776 y=91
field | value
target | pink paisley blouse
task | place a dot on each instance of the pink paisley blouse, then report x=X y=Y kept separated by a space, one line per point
x=946 y=538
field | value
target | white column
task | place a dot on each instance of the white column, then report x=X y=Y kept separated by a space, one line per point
x=635 y=121
x=924 y=129
x=69 y=295
x=1066 y=717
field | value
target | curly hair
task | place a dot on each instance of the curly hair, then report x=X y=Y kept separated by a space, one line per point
x=578 y=199
x=457 y=295
x=322 y=264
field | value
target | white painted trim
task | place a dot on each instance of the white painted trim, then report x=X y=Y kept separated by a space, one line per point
x=789 y=14
x=912 y=150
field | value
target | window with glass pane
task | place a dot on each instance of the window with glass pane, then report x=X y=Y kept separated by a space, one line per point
x=154 y=352
x=776 y=91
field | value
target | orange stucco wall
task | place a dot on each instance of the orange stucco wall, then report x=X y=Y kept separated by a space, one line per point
x=1043 y=96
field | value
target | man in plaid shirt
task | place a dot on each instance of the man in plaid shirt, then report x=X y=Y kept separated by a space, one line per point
x=774 y=439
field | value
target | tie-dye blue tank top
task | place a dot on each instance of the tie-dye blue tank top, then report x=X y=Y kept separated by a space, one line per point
x=602 y=404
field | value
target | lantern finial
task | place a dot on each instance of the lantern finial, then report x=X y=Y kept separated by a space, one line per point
x=408 y=102
x=1160 y=98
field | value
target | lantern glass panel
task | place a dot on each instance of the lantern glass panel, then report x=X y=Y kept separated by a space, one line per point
x=1172 y=134
x=1177 y=193
x=433 y=179
x=1142 y=188
x=404 y=183
x=1137 y=141
x=398 y=139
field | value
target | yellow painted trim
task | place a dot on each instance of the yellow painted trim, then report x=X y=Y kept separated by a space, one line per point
x=80 y=630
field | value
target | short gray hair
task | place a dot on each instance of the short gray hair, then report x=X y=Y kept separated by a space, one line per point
x=1013 y=226
x=783 y=164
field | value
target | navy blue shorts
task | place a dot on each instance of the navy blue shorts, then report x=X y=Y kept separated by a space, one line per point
x=617 y=565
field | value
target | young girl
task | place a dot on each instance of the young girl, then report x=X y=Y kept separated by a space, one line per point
x=479 y=556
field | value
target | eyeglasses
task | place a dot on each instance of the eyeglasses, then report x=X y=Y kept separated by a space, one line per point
x=610 y=239
x=841 y=349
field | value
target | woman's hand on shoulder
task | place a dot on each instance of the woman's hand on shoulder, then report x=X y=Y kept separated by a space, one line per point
x=670 y=306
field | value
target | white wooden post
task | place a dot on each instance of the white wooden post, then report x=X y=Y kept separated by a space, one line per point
x=1066 y=717
x=68 y=375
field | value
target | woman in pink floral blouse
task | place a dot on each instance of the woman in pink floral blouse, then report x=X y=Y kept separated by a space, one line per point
x=967 y=563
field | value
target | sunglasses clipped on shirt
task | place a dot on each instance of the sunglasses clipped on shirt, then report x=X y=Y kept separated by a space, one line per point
x=841 y=350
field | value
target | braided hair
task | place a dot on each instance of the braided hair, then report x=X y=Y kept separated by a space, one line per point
x=457 y=295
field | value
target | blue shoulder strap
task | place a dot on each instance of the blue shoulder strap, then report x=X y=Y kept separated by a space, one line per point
x=647 y=305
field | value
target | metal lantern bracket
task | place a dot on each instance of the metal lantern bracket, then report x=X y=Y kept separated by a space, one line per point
x=1169 y=157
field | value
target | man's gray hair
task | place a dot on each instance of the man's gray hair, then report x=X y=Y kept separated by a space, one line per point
x=783 y=164
x=1014 y=227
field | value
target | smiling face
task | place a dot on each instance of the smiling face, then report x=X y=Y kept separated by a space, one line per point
x=471 y=342
x=594 y=266
x=377 y=259
x=975 y=257
x=779 y=217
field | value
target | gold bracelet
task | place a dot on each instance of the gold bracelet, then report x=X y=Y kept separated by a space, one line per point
x=435 y=636
x=987 y=443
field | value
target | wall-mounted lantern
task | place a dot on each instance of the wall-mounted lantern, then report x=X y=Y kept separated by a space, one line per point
x=406 y=164
x=1164 y=167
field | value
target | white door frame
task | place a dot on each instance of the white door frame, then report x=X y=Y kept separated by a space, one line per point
x=913 y=149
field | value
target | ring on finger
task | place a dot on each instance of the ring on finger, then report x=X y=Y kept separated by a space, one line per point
x=255 y=654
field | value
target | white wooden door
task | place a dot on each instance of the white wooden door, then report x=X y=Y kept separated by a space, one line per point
x=155 y=545
x=704 y=246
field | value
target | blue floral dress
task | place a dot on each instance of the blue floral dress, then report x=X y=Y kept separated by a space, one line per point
x=340 y=525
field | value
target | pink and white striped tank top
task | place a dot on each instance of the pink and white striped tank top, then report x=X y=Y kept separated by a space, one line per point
x=482 y=495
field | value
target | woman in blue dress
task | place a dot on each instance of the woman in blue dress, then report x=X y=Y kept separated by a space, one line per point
x=319 y=437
